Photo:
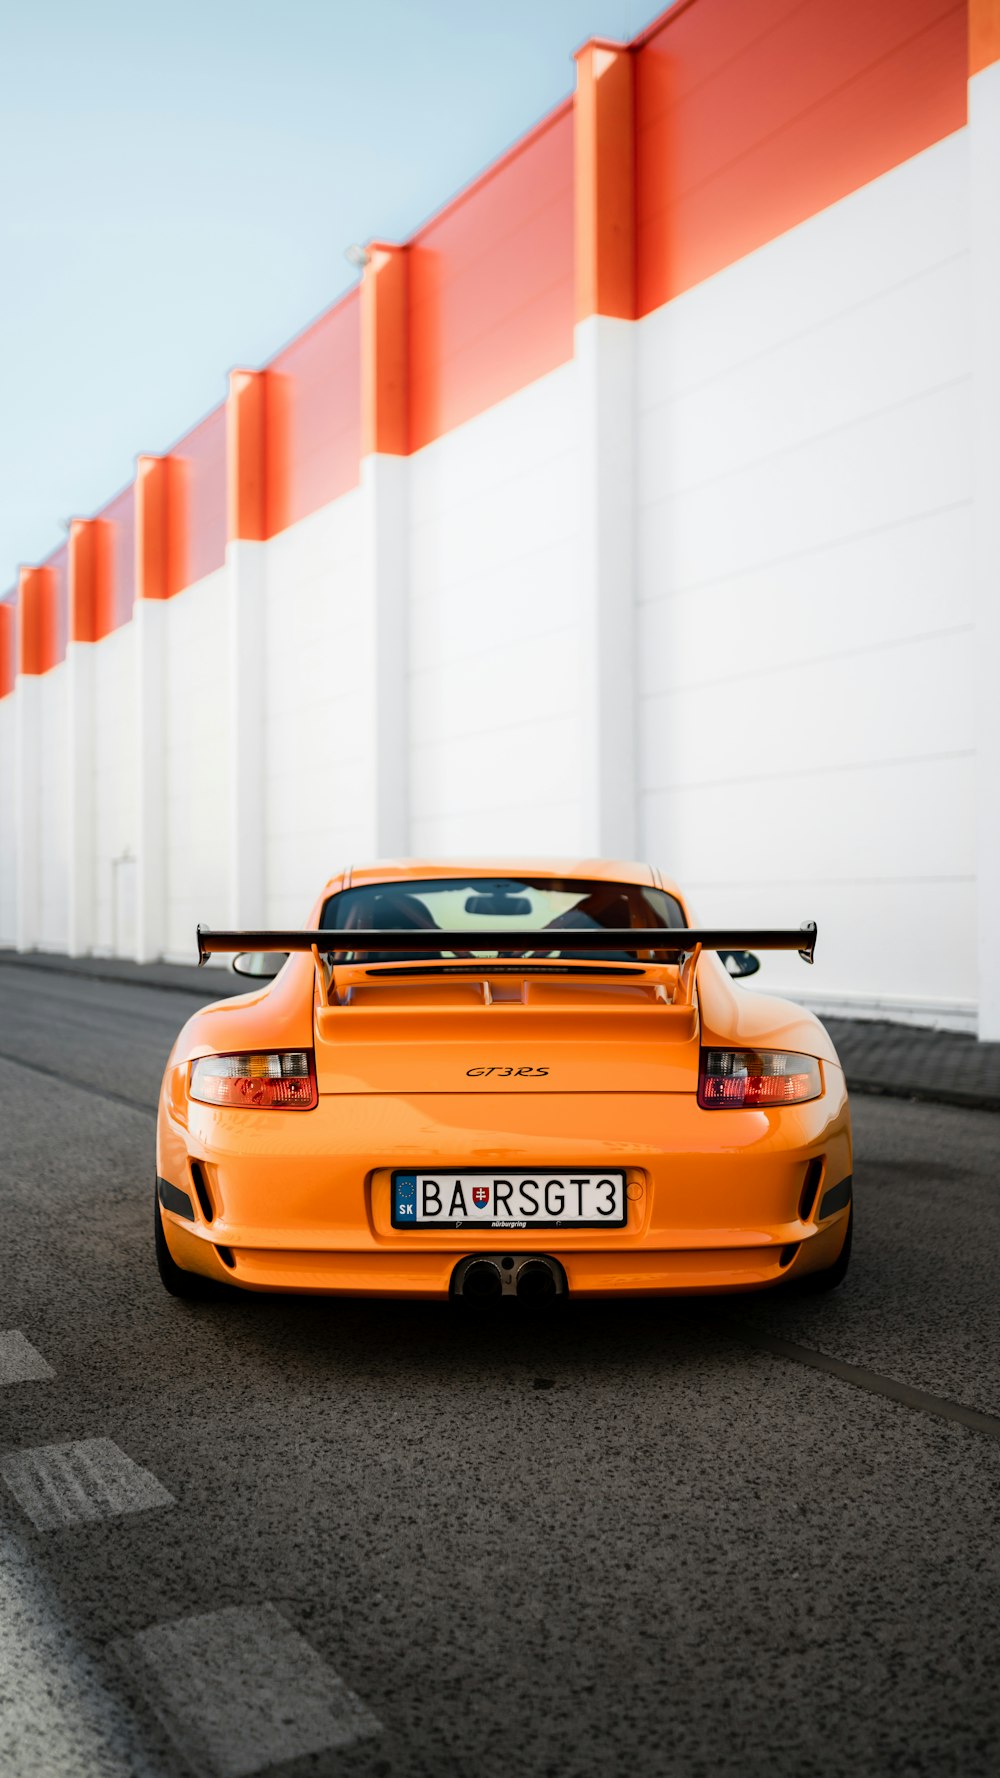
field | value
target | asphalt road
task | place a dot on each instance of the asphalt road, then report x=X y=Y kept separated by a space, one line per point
x=322 y=1537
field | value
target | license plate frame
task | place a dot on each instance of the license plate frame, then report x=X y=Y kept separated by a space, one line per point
x=405 y=1187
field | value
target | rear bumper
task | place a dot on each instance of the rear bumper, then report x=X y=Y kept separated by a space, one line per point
x=638 y=1272
x=300 y=1200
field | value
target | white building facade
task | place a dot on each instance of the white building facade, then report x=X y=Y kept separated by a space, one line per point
x=646 y=503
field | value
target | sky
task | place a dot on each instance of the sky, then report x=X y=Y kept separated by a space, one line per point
x=178 y=185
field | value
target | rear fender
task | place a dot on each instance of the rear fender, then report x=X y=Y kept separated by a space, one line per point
x=276 y=1016
x=734 y=1017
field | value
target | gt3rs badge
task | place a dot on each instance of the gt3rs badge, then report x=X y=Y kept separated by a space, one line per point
x=499 y=1073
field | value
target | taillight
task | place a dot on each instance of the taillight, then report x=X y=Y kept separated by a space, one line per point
x=283 y=1080
x=744 y=1078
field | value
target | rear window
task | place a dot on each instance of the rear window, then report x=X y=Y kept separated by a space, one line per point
x=506 y=904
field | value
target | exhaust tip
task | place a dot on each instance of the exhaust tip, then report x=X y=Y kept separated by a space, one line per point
x=534 y=1277
x=482 y=1281
x=536 y=1281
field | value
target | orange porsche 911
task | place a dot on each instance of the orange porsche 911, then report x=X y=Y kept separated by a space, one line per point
x=516 y=1079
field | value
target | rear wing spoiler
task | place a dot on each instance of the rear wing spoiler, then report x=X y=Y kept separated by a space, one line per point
x=670 y=943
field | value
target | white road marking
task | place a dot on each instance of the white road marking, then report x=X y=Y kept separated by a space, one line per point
x=69 y=1484
x=19 y=1362
x=239 y=1690
x=56 y=1718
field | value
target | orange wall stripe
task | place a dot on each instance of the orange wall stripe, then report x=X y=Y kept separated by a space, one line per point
x=198 y=499
x=984 y=34
x=313 y=423
x=36 y=600
x=7 y=661
x=385 y=418
x=604 y=181
x=245 y=455
x=728 y=122
x=151 y=528
x=91 y=608
x=491 y=297
x=753 y=115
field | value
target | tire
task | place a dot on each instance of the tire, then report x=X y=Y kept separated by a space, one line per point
x=816 y=1283
x=189 y=1285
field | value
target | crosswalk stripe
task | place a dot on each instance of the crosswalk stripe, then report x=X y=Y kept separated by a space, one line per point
x=239 y=1690
x=19 y=1362
x=68 y=1484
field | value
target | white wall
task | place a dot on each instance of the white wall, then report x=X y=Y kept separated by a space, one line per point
x=196 y=763
x=115 y=792
x=316 y=779
x=804 y=667
x=53 y=813
x=8 y=843
x=805 y=624
x=494 y=688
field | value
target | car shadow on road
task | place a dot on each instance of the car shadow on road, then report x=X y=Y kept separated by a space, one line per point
x=356 y=1340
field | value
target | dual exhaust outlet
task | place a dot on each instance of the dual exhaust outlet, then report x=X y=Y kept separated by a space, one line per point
x=533 y=1277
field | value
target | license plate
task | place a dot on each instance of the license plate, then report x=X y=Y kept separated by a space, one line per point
x=481 y=1199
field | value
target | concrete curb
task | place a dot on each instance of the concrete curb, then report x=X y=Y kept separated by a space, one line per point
x=210 y=983
x=910 y=1062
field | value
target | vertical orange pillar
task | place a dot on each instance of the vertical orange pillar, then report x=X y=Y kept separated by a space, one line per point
x=36 y=649
x=157 y=577
x=984 y=34
x=247 y=448
x=604 y=181
x=246 y=465
x=90 y=591
x=604 y=356
x=36 y=599
x=385 y=444
x=385 y=419
x=90 y=618
x=7 y=663
x=156 y=530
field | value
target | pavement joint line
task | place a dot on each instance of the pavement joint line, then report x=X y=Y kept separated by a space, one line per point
x=83 y=1086
x=939 y=1407
x=239 y=1690
x=60 y=1485
x=19 y=1361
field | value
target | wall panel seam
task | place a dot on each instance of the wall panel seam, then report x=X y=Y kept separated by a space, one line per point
x=822 y=548
x=694 y=885
x=817 y=769
x=807 y=111
x=813 y=660
x=419 y=305
x=862 y=418
x=509 y=316
x=734 y=366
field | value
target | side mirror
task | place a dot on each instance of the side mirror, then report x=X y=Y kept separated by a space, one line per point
x=739 y=962
x=261 y=965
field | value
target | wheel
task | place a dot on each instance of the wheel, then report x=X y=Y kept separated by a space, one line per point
x=814 y=1283
x=190 y=1285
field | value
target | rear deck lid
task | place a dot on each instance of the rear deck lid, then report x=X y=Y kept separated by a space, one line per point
x=439 y=1032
